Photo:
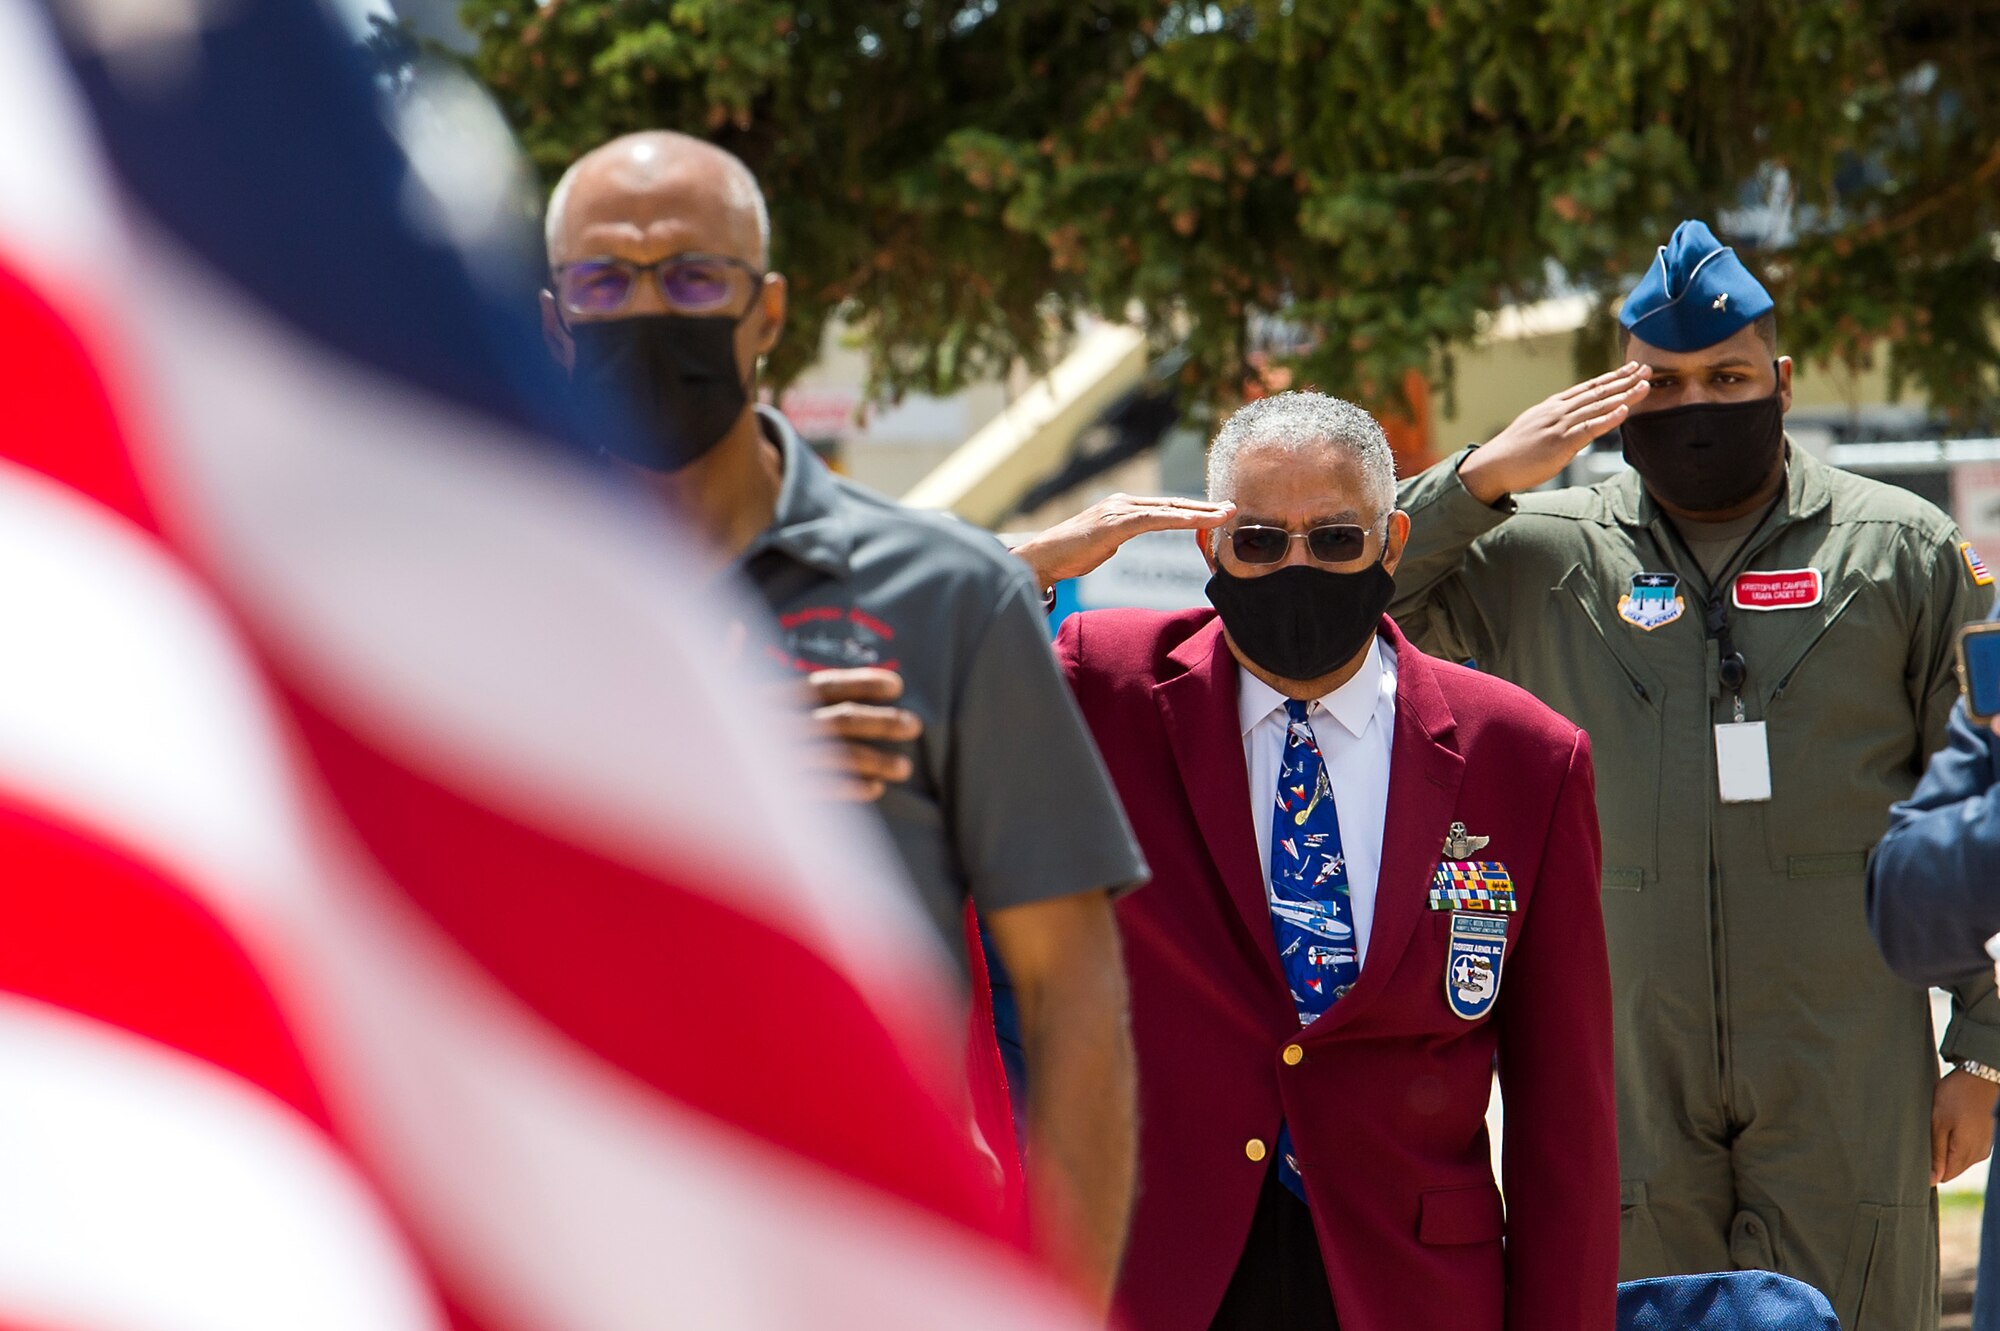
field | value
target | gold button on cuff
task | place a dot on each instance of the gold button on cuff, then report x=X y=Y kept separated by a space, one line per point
x=1294 y=1055
x=1254 y=1149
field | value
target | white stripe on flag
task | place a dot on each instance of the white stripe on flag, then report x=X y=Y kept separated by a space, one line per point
x=127 y=704
x=149 y=1191
x=547 y=1183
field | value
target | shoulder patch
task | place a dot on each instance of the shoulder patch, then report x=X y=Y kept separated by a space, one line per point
x=1975 y=565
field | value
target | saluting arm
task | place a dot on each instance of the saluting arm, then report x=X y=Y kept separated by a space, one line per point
x=1559 y=1154
x=1447 y=600
x=1436 y=603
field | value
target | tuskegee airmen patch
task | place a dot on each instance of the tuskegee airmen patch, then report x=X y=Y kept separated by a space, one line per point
x=1654 y=601
x=1472 y=966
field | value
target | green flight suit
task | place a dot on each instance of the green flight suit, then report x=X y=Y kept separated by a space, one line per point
x=1774 y=1079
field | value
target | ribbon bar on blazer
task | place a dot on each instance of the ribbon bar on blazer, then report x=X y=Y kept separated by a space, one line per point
x=1473 y=885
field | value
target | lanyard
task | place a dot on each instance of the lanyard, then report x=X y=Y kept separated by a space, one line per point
x=1732 y=668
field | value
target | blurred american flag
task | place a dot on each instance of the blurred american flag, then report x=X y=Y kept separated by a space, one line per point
x=403 y=923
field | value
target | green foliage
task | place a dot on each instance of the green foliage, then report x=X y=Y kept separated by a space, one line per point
x=955 y=175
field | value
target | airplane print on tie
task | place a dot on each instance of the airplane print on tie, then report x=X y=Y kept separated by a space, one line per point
x=1311 y=915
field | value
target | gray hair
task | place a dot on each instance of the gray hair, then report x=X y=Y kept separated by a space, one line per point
x=1299 y=423
x=745 y=194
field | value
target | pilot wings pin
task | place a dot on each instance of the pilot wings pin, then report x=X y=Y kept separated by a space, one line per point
x=1462 y=883
x=1459 y=846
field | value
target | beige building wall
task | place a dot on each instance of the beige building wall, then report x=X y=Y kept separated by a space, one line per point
x=886 y=448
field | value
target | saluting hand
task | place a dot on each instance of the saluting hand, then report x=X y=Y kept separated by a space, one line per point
x=1543 y=439
x=1073 y=548
x=852 y=722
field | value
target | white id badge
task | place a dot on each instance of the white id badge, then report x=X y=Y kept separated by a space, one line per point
x=1742 y=762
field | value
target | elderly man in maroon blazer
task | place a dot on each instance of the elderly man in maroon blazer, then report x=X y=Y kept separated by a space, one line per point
x=1375 y=874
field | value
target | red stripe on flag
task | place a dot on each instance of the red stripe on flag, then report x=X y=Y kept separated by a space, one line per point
x=717 y=1010
x=58 y=411
x=98 y=932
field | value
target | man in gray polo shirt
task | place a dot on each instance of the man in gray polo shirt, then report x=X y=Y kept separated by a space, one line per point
x=922 y=640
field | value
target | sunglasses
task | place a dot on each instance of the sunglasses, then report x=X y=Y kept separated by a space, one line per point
x=688 y=284
x=1335 y=543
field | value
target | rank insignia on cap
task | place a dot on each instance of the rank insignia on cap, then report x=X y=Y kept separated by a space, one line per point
x=1476 y=885
x=1472 y=966
x=1654 y=601
x=1696 y=294
x=1975 y=565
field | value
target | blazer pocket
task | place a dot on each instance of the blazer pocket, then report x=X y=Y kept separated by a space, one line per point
x=1461 y=1215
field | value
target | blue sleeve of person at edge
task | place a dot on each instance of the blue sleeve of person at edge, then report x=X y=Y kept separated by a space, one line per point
x=1934 y=882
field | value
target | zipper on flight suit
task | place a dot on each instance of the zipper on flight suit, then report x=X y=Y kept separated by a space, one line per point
x=1670 y=548
x=1718 y=958
x=1714 y=635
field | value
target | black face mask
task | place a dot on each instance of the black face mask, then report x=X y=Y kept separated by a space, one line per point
x=1709 y=456
x=1302 y=622
x=676 y=376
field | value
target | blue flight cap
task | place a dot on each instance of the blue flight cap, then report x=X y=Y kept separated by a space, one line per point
x=1727 y=1301
x=1696 y=293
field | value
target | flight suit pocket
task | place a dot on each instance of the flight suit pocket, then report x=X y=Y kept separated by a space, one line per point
x=1610 y=687
x=1891 y=1258
x=1450 y=1216
x=1641 y=1253
x=1812 y=825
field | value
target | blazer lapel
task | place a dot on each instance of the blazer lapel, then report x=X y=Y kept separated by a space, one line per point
x=1199 y=709
x=1425 y=772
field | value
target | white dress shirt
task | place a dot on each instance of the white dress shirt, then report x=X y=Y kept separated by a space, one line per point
x=1355 y=728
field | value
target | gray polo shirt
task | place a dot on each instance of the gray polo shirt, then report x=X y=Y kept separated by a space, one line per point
x=1009 y=801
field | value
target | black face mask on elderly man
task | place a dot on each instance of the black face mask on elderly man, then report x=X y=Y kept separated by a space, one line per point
x=1708 y=456
x=674 y=375
x=1301 y=621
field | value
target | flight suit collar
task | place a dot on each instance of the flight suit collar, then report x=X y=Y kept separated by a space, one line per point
x=1808 y=489
x=810 y=523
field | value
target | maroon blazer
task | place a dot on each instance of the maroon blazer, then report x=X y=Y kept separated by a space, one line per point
x=1387 y=1104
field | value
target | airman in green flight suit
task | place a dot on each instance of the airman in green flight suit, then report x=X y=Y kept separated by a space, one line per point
x=1760 y=646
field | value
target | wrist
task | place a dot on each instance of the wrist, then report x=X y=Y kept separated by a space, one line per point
x=1025 y=552
x=1980 y=1070
x=1475 y=473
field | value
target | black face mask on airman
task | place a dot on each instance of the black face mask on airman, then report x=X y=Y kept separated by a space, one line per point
x=1708 y=456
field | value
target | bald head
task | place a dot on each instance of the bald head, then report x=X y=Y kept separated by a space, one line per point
x=653 y=194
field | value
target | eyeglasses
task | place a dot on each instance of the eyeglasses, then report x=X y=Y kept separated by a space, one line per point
x=1335 y=543
x=688 y=284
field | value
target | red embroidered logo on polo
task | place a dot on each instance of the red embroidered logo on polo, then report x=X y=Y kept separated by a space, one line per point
x=1784 y=589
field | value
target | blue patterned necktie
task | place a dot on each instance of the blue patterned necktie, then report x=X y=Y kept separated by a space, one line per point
x=1307 y=891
